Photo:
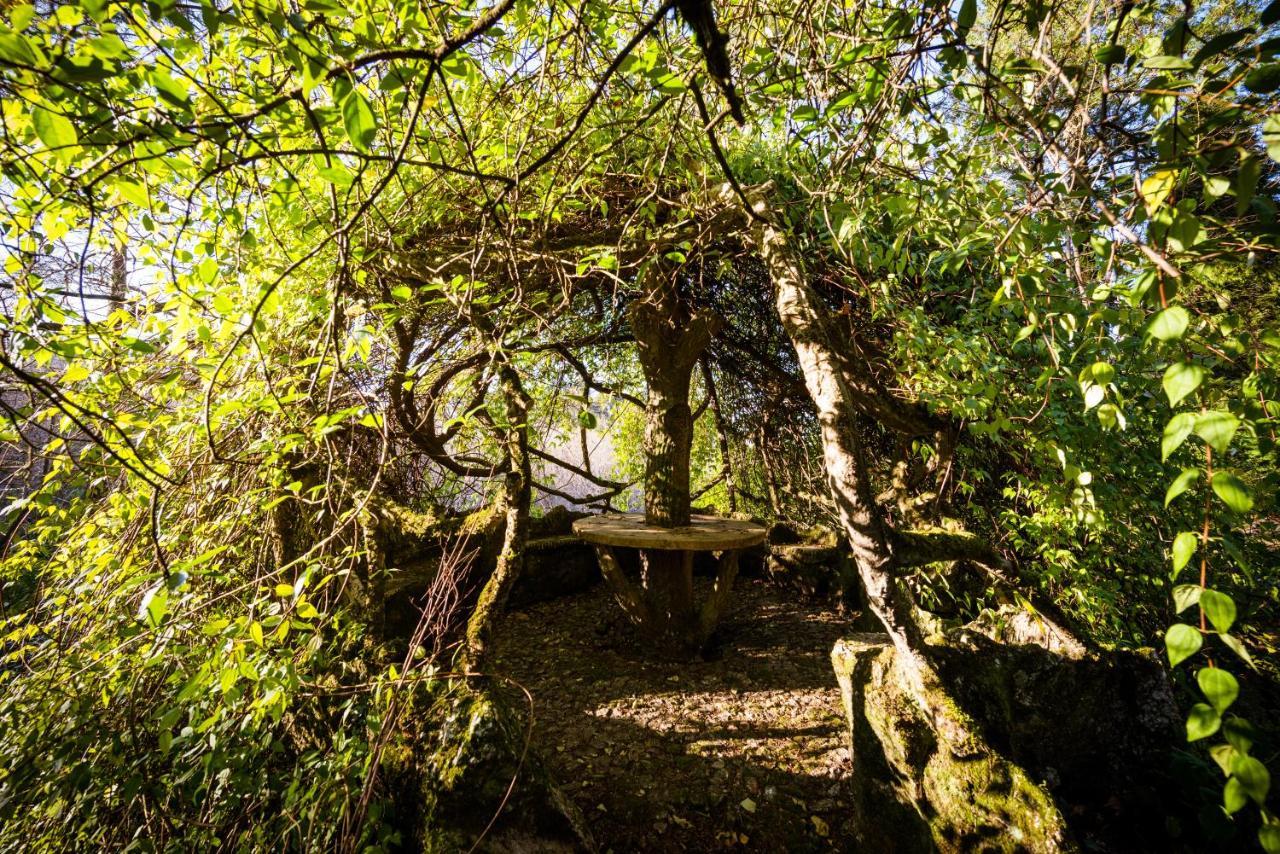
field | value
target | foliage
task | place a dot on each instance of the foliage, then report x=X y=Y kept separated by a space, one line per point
x=262 y=263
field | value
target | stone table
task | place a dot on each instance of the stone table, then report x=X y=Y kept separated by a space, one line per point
x=663 y=606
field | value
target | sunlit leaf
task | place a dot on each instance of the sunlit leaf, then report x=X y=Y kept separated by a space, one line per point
x=1218 y=686
x=1181 y=484
x=1253 y=776
x=1184 y=546
x=1175 y=433
x=1202 y=722
x=1181 y=642
x=1157 y=187
x=1185 y=595
x=1232 y=491
x=1219 y=608
x=1181 y=379
x=1217 y=428
x=1170 y=324
x=359 y=121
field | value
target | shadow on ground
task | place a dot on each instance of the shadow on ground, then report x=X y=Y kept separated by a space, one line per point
x=743 y=750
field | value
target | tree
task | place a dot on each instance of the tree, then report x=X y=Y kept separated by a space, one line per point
x=975 y=265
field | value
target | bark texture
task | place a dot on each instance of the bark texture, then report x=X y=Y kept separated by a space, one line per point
x=669 y=338
x=516 y=495
x=843 y=392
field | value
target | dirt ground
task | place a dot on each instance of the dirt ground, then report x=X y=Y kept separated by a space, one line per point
x=744 y=750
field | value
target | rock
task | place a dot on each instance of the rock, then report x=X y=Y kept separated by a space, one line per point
x=913 y=792
x=783 y=534
x=555 y=566
x=1016 y=626
x=1070 y=747
x=816 y=570
x=450 y=769
x=556 y=522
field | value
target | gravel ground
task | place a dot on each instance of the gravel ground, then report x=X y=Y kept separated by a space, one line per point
x=744 y=750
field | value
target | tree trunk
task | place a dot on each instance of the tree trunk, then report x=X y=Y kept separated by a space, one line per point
x=770 y=479
x=802 y=314
x=668 y=440
x=669 y=338
x=516 y=497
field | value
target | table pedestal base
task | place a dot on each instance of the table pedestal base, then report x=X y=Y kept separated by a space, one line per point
x=662 y=606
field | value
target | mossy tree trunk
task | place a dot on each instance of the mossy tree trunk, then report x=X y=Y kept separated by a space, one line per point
x=670 y=338
x=516 y=498
x=844 y=392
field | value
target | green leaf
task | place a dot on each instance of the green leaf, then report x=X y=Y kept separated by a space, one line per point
x=805 y=114
x=1185 y=232
x=15 y=48
x=207 y=270
x=1232 y=491
x=1101 y=373
x=1219 y=608
x=56 y=132
x=1253 y=776
x=1239 y=734
x=587 y=419
x=1247 y=182
x=1221 y=42
x=1202 y=721
x=1181 y=484
x=1233 y=644
x=1184 y=596
x=1234 y=797
x=1218 y=686
x=1180 y=379
x=1175 y=432
x=1269 y=833
x=1112 y=54
x=337 y=174
x=223 y=304
x=1263 y=79
x=255 y=632
x=132 y=192
x=1166 y=63
x=670 y=84
x=1184 y=546
x=1170 y=324
x=1181 y=642
x=1217 y=428
x=153 y=606
x=1223 y=753
x=967 y=16
x=171 y=91
x=358 y=120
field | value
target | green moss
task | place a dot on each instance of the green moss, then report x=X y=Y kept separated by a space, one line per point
x=449 y=768
x=986 y=802
x=949 y=793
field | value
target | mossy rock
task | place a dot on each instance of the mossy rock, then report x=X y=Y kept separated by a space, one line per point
x=916 y=792
x=460 y=770
x=1102 y=729
x=555 y=566
x=1063 y=749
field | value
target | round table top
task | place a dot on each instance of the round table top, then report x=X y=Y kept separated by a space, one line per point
x=702 y=534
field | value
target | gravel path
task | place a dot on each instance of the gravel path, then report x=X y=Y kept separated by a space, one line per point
x=744 y=751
